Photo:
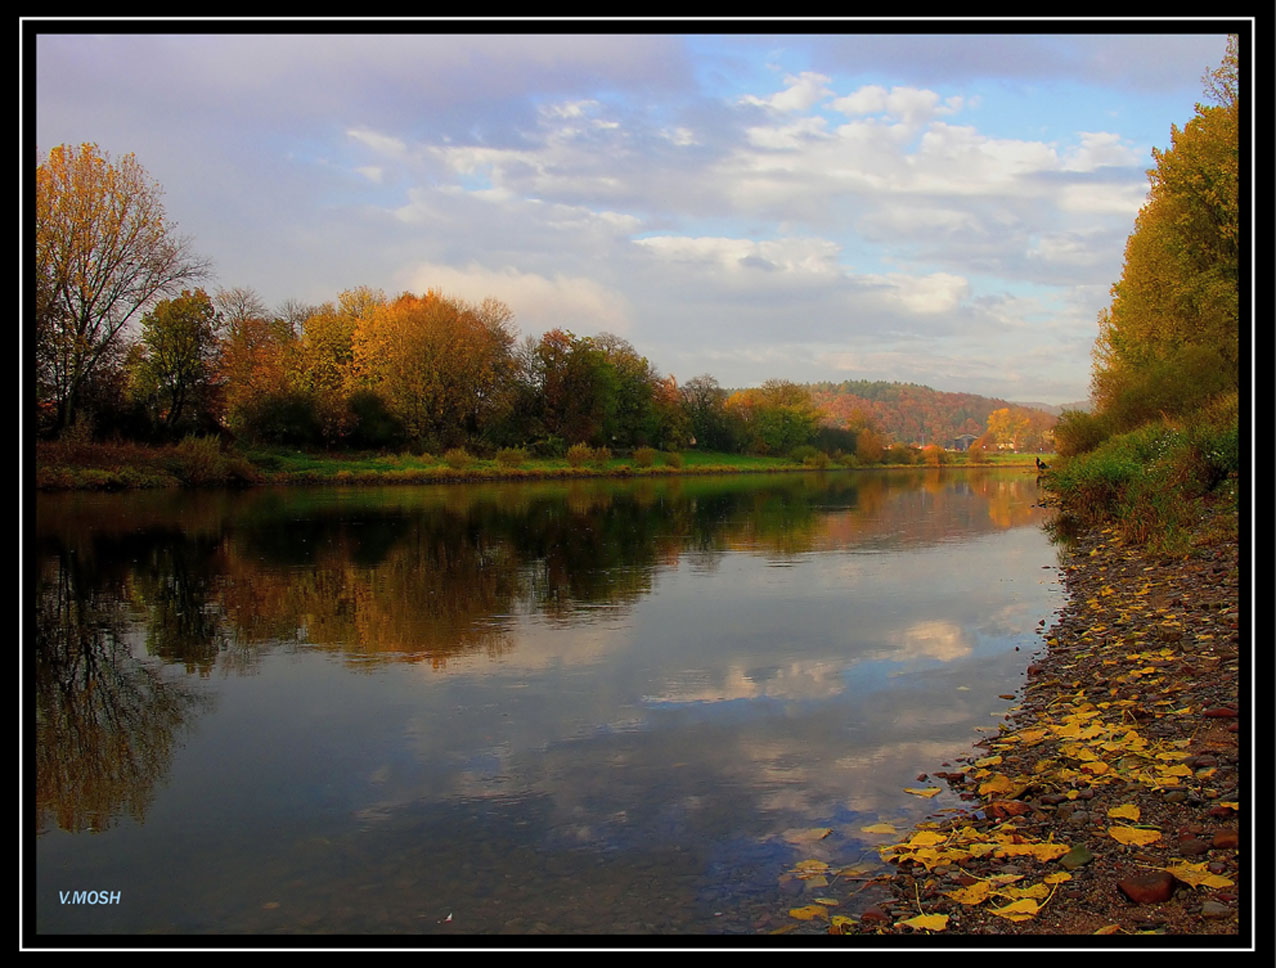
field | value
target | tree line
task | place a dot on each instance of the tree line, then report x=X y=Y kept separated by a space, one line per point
x=131 y=345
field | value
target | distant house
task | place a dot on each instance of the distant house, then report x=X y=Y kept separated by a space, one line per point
x=964 y=441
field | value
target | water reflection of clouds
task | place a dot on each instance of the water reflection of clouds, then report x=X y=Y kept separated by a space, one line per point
x=794 y=681
x=929 y=639
x=542 y=645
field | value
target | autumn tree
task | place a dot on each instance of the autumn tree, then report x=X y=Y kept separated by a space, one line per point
x=575 y=389
x=777 y=416
x=104 y=252
x=671 y=426
x=178 y=361
x=258 y=357
x=981 y=447
x=1008 y=426
x=323 y=367
x=440 y=364
x=1175 y=309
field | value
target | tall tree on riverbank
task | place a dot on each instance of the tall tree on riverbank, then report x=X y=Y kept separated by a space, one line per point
x=1171 y=335
x=104 y=252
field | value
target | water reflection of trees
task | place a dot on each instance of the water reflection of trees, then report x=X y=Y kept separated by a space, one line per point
x=106 y=723
x=432 y=573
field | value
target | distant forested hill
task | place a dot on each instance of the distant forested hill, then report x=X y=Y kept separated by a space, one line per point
x=914 y=414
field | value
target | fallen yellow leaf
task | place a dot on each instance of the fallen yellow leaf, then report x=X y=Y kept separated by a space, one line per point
x=1127 y=811
x=926 y=922
x=1033 y=891
x=976 y=893
x=1196 y=875
x=808 y=912
x=1000 y=783
x=1041 y=852
x=927 y=792
x=879 y=828
x=810 y=868
x=926 y=838
x=1021 y=910
x=1137 y=836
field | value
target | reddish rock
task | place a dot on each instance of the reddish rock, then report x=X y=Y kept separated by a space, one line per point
x=1035 y=669
x=1148 y=888
x=1226 y=838
x=1220 y=811
x=1191 y=847
x=1220 y=712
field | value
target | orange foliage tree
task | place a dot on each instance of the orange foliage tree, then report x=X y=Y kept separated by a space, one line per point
x=442 y=365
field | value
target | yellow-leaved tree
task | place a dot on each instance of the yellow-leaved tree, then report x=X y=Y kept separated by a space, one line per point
x=1170 y=338
x=104 y=252
x=440 y=364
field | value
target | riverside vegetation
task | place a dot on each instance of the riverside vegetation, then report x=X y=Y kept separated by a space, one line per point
x=71 y=464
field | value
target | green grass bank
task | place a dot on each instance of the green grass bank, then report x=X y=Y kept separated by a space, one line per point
x=204 y=462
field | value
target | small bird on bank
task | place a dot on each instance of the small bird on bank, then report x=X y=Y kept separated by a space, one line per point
x=1041 y=465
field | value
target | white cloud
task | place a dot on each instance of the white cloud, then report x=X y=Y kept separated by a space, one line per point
x=788 y=136
x=803 y=92
x=910 y=105
x=809 y=257
x=540 y=302
x=938 y=292
x=381 y=143
x=1098 y=149
x=1103 y=199
x=681 y=136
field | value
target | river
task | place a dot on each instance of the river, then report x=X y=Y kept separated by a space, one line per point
x=593 y=707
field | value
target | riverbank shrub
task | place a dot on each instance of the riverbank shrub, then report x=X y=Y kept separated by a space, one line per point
x=457 y=458
x=579 y=454
x=1148 y=482
x=200 y=461
x=511 y=456
x=1078 y=432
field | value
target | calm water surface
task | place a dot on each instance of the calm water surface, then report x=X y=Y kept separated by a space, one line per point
x=586 y=707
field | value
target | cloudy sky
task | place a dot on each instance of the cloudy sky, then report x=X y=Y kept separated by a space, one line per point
x=947 y=209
